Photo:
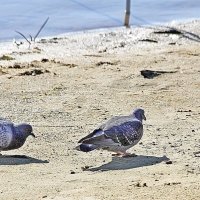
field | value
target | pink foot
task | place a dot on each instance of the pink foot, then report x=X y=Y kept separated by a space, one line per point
x=118 y=154
x=129 y=155
x=124 y=154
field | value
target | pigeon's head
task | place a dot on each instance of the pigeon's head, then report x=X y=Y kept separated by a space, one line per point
x=139 y=114
x=26 y=129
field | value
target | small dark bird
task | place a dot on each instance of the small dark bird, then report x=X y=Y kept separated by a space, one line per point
x=13 y=136
x=117 y=135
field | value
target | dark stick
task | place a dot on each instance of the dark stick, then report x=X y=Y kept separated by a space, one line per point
x=23 y=37
x=34 y=38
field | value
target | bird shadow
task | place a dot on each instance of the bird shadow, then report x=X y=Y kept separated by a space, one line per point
x=19 y=160
x=120 y=163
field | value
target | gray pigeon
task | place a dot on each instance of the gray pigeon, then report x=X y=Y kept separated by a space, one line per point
x=117 y=135
x=13 y=136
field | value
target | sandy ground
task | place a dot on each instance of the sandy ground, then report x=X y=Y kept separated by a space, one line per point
x=68 y=85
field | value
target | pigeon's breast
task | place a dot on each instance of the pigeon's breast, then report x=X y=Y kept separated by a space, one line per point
x=5 y=136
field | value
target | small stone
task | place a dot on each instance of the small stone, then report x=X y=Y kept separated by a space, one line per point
x=140 y=143
x=6 y=57
x=144 y=184
x=190 y=171
x=45 y=60
x=137 y=184
x=196 y=154
x=72 y=172
x=169 y=162
x=45 y=196
x=172 y=43
x=33 y=72
x=16 y=66
x=176 y=183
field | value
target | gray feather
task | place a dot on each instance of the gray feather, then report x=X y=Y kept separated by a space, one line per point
x=126 y=133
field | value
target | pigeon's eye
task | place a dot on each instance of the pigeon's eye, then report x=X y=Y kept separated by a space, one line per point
x=27 y=129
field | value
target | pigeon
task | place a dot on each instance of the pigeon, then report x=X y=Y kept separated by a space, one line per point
x=13 y=136
x=117 y=135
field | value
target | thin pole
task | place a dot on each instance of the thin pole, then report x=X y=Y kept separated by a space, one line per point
x=127 y=13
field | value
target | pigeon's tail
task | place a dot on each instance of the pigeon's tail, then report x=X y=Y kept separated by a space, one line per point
x=86 y=147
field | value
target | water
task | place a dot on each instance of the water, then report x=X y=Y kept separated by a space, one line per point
x=27 y=16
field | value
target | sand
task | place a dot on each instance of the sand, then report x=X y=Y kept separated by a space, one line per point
x=67 y=85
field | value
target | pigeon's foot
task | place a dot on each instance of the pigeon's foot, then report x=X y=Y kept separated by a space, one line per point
x=129 y=155
x=124 y=154
x=118 y=154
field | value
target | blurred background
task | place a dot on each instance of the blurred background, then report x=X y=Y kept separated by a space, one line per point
x=27 y=16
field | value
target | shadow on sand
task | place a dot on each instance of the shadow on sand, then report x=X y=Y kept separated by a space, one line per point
x=19 y=160
x=118 y=163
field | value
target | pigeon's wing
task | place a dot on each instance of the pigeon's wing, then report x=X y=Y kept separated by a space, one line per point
x=98 y=132
x=125 y=133
x=5 y=121
x=116 y=120
x=4 y=124
x=95 y=133
x=6 y=133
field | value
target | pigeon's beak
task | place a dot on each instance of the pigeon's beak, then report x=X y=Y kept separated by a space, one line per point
x=144 y=117
x=33 y=135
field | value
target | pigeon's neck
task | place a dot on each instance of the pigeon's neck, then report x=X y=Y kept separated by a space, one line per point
x=138 y=117
x=19 y=136
x=18 y=139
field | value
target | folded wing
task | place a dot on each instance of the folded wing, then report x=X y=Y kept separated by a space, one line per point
x=127 y=133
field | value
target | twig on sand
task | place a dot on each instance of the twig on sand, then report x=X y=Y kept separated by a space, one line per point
x=24 y=37
x=32 y=39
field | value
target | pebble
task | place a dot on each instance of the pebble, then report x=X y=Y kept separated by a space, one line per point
x=173 y=183
x=141 y=185
x=44 y=60
x=169 y=162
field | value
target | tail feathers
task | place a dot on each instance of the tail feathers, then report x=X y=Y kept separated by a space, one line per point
x=86 y=147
